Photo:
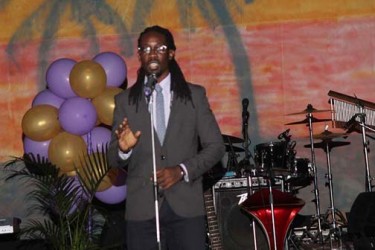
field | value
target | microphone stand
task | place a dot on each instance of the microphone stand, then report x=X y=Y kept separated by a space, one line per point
x=246 y=135
x=148 y=89
x=245 y=162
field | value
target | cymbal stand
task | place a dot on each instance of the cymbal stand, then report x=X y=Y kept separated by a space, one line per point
x=362 y=117
x=316 y=188
x=327 y=150
x=362 y=123
x=336 y=231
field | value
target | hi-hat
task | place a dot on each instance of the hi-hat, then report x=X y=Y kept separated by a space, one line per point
x=232 y=139
x=330 y=144
x=306 y=121
x=328 y=135
x=229 y=148
x=309 y=110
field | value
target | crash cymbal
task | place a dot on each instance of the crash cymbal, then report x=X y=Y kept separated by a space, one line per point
x=309 y=110
x=328 y=135
x=232 y=139
x=229 y=148
x=306 y=121
x=330 y=143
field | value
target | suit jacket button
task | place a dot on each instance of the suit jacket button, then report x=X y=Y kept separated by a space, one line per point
x=163 y=157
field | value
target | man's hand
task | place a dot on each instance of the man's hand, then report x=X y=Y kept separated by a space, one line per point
x=167 y=177
x=126 y=138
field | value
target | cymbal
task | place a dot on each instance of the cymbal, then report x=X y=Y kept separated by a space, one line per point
x=331 y=144
x=328 y=135
x=232 y=139
x=309 y=110
x=306 y=121
x=234 y=148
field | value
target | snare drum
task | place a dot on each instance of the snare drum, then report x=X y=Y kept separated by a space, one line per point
x=301 y=173
x=273 y=156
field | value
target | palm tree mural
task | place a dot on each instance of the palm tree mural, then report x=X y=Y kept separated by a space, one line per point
x=48 y=16
x=215 y=12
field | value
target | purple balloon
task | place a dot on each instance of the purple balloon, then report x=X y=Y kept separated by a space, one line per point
x=113 y=195
x=36 y=147
x=99 y=137
x=47 y=97
x=57 y=77
x=114 y=67
x=77 y=116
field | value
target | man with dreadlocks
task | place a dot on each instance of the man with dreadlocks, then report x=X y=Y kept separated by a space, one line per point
x=191 y=146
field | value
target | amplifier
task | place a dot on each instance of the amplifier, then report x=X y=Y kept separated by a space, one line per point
x=239 y=230
x=259 y=181
x=9 y=225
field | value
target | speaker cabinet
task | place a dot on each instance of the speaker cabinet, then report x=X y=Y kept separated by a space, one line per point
x=235 y=225
x=361 y=221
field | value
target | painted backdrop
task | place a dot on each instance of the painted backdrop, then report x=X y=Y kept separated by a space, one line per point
x=281 y=55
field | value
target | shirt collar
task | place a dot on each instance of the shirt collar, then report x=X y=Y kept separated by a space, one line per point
x=166 y=82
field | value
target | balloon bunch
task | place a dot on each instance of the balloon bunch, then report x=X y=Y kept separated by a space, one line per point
x=65 y=121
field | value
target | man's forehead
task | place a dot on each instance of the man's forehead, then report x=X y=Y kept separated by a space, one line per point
x=153 y=36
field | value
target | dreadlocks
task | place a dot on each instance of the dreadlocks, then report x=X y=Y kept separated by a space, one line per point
x=179 y=85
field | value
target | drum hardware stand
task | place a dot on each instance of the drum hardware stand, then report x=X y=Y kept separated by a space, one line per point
x=336 y=231
x=270 y=182
x=232 y=158
x=249 y=193
x=314 y=168
x=362 y=124
x=347 y=109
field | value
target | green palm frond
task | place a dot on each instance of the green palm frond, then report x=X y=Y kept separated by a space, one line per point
x=71 y=220
x=95 y=169
x=34 y=166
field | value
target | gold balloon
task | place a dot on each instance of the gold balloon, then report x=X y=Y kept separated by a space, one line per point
x=40 y=123
x=105 y=104
x=70 y=173
x=106 y=181
x=67 y=151
x=88 y=79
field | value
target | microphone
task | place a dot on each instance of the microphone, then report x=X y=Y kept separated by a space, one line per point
x=284 y=134
x=149 y=85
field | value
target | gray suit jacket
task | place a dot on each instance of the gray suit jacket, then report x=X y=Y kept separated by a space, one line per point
x=189 y=124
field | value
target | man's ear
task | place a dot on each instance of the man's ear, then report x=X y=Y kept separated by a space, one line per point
x=171 y=54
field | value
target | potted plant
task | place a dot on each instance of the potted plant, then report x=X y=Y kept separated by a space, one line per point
x=71 y=219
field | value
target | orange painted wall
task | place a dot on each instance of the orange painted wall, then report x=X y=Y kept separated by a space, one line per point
x=294 y=53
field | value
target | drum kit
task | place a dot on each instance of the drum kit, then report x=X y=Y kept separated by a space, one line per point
x=277 y=160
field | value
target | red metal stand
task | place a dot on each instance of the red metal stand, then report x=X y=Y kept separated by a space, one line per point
x=285 y=206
